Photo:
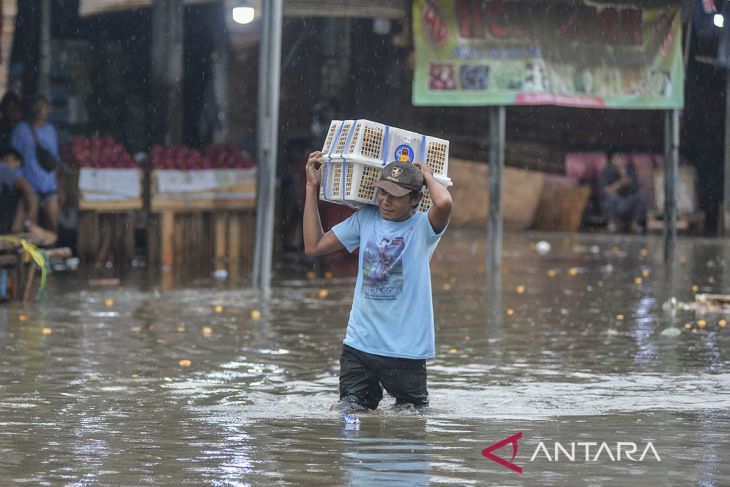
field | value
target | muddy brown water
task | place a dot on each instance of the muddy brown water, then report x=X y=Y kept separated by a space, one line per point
x=133 y=385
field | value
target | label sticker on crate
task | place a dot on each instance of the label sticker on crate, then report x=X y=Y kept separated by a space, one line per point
x=404 y=153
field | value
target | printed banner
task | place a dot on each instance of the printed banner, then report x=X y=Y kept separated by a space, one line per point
x=501 y=52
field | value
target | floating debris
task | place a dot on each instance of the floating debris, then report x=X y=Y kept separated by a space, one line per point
x=185 y=363
x=255 y=314
x=47 y=331
x=703 y=303
x=218 y=308
x=671 y=332
x=109 y=302
x=542 y=247
x=520 y=289
x=104 y=282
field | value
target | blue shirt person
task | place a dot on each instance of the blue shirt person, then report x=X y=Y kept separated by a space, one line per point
x=390 y=333
x=38 y=130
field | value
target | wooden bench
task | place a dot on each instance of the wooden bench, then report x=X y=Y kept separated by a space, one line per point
x=18 y=272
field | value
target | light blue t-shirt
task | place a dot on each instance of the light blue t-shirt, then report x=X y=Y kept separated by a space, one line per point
x=22 y=140
x=392 y=310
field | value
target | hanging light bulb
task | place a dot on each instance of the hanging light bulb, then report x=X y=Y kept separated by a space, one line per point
x=243 y=13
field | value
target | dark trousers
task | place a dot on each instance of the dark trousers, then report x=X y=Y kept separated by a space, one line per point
x=363 y=376
x=628 y=209
x=8 y=207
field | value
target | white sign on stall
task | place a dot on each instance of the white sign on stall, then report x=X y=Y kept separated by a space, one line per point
x=109 y=184
x=206 y=183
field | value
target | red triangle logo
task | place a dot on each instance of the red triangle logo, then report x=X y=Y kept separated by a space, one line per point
x=487 y=452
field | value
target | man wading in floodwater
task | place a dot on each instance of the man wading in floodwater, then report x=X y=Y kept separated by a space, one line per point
x=390 y=333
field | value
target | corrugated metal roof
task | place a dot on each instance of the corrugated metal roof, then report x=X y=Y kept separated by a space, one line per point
x=292 y=8
x=98 y=7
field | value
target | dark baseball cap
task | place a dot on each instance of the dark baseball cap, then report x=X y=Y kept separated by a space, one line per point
x=400 y=178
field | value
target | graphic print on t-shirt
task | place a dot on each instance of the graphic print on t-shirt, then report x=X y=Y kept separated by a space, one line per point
x=382 y=268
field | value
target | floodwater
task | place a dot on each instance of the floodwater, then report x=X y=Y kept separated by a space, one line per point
x=218 y=386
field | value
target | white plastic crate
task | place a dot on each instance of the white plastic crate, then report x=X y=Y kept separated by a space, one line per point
x=349 y=183
x=376 y=144
x=353 y=184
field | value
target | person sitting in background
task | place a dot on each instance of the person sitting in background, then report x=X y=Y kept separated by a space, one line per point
x=623 y=200
x=37 y=142
x=14 y=188
x=11 y=114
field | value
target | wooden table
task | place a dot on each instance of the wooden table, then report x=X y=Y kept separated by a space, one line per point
x=194 y=231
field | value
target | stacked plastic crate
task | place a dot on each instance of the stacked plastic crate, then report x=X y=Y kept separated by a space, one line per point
x=355 y=151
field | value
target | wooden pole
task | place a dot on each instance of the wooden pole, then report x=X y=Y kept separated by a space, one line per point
x=44 y=49
x=671 y=163
x=167 y=235
x=221 y=79
x=497 y=122
x=167 y=70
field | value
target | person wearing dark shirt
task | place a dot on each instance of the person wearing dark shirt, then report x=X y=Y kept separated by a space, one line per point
x=623 y=200
x=14 y=188
x=11 y=114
